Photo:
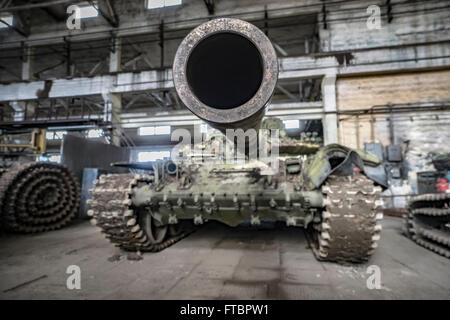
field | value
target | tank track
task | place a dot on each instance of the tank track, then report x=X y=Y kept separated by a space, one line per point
x=428 y=222
x=37 y=197
x=112 y=211
x=348 y=230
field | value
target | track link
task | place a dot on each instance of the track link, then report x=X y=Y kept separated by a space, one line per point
x=37 y=197
x=112 y=211
x=347 y=231
x=427 y=222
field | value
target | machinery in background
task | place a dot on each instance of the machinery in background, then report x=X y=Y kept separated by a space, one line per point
x=37 y=142
x=428 y=219
x=332 y=191
x=21 y=146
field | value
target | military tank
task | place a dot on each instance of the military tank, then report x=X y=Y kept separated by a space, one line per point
x=225 y=72
x=37 y=197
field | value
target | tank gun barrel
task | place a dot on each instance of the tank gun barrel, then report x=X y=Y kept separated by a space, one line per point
x=225 y=72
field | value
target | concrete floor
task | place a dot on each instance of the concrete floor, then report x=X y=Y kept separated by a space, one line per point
x=216 y=262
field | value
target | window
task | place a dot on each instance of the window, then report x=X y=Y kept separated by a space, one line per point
x=146 y=156
x=146 y=131
x=88 y=11
x=155 y=4
x=53 y=158
x=55 y=135
x=291 y=124
x=56 y=158
x=203 y=128
x=6 y=21
x=95 y=133
x=151 y=131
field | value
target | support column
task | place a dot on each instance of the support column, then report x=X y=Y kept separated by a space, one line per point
x=19 y=110
x=114 y=109
x=330 y=125
x=115 y=55
x=113 y=104
x=27 y=64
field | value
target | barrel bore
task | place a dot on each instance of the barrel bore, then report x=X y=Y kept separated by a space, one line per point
x=225 y=72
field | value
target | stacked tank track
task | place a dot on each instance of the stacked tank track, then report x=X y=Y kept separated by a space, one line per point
x=38 y=196
x=130 y=228
x=428 y=222
x=347 y=230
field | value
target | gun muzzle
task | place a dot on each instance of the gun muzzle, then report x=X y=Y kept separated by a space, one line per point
x=225 y=71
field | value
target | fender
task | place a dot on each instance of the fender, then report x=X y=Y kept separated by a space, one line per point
x=340 y=160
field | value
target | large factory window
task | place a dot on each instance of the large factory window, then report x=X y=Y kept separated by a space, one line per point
x=95 y=133
x=145 y=156
x=151 y=131
x=6 y=21
x=87 y=10
x=52 y=158
x=155 y=4
x=291 y=124
x=55 y=135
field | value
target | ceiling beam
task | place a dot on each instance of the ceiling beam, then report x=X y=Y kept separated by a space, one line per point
x=372 y=61
x=10 y=72
x=5 y=3
x=57 y=12
x=287 y=93
x=106 y=10
x=18 y=25
x=210 y=6
x=36 y=5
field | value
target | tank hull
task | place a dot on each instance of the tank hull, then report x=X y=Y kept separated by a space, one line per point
x=231 y=194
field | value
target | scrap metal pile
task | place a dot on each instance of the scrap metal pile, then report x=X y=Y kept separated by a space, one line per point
x=428 y=222
x=37 y=197
x=428 y=219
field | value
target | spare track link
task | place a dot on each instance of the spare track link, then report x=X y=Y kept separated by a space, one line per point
x=348 y=230
x=37 y=197
x=112 y=211
x=427 y=222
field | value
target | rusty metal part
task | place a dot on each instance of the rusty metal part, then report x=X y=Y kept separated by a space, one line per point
x=38 y=196
x=124 y=225
x=427 y=222
x=210 y=64
x=347 y=230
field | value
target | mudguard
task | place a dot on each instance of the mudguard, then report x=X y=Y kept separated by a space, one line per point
x=319 y=167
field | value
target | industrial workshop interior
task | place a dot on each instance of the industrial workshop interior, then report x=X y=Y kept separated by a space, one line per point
x=224 y=150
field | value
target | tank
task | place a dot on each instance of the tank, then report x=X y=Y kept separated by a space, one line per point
x=225 y=72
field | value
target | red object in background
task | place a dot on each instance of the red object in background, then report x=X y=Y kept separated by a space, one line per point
x=442 y=185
